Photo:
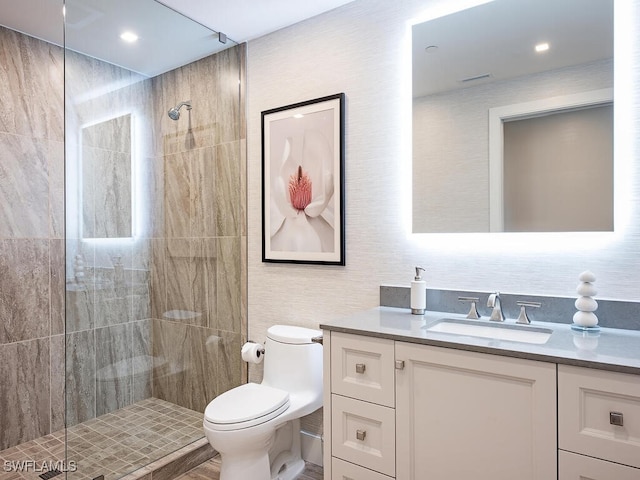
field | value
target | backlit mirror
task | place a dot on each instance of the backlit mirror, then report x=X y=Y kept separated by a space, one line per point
x=107 y=184
x=505 y=94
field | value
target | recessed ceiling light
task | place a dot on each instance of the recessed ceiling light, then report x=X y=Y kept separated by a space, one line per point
x=129 y=37
x=542 y=47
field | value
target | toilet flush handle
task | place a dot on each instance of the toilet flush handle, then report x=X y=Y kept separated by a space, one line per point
x=317 y=339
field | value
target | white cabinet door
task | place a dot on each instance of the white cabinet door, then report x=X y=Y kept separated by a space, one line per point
x=468 y=415
x=364 y=433
x=348 y=471
x=362 y=367
x=579 y=467
x=599 y=414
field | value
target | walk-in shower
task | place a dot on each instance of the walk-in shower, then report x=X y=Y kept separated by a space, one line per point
x=174 y=112
x=125 y=268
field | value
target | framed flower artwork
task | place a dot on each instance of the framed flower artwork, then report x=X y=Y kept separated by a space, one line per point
x=303 y=182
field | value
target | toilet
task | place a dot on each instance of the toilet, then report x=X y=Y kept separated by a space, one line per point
x=256 y=427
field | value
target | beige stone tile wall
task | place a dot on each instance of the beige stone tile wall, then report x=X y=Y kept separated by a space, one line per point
x=108 y=325
x=121 y=344
x=31 y=237
x=198 y=279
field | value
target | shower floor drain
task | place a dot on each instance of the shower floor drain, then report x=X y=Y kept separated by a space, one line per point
x=50 y=474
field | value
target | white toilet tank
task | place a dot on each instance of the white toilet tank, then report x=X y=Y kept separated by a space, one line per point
x=292 y=361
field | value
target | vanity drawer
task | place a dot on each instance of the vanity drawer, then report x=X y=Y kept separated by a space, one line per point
x=348 y=471
x=364 y=433
x=573 y=466
x=599 y=414
x=363 y=368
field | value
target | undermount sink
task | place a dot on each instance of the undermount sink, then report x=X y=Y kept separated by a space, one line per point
x=497 y=331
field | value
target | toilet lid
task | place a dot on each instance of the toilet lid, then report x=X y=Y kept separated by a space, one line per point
x=252 y=402
x=292 y=335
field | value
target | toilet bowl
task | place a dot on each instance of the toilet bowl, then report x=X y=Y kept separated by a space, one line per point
x=256 y=427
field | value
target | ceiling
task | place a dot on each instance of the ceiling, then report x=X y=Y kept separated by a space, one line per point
x=166 y=38
x=495 y=41
x=244 y=20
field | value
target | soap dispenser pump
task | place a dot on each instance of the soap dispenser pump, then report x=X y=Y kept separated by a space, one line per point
x=418 y=293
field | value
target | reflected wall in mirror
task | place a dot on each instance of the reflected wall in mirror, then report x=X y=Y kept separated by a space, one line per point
x=483 y=58
x=107 y=180
x=551 y=165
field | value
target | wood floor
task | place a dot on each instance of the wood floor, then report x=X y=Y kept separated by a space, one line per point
x=210 y=470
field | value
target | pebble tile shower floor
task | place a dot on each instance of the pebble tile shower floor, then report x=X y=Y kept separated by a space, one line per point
x=112 y=445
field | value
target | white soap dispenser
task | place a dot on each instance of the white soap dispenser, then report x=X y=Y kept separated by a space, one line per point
x=418 y=293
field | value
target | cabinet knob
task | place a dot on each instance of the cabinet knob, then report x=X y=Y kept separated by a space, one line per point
x=616 y=418
x=360 y=367
x=361 y=434
x=399 y=364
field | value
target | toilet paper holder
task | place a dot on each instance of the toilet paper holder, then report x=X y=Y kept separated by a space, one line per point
x=260 y=344
x=252 y=352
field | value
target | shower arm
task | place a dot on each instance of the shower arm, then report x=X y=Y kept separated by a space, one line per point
x=182 y=104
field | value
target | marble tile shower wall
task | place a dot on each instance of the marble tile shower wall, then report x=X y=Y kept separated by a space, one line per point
x=174 y=330
x=198 y=266
x=123 y=343
x=31 y=239
x=108 y=326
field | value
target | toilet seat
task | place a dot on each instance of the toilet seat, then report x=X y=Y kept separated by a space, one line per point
x=245 y=406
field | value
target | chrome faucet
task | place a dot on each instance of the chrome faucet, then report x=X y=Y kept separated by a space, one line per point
x=494 y=302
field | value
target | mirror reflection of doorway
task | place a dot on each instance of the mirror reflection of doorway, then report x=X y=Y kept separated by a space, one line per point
x=558 y=171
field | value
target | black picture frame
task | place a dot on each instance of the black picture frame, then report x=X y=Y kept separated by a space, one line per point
x=303 y=182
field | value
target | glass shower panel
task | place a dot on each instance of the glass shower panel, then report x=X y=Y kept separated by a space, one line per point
x=31 y=239
x=154 y=230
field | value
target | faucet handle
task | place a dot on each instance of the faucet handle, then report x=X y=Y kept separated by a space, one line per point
x=523 y=318
x=473 y=312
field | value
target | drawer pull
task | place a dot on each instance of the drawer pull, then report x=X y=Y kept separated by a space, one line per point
x=360 y=367
x=361 y=434
x=616 y=418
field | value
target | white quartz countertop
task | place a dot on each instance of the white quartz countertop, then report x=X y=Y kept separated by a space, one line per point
x=610 y=349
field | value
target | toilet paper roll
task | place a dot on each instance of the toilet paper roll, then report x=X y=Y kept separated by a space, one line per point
x=252 y=352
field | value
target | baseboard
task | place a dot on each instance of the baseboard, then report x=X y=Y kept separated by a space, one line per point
x=311 y=445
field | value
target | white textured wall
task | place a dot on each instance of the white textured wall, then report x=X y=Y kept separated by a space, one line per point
x=361 y=49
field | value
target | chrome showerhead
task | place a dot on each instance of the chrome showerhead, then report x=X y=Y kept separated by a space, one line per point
x=174 y=113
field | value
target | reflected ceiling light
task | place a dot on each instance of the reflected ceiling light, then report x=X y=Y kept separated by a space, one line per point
x=129 y=37
x=298 y=115
x=542 y=47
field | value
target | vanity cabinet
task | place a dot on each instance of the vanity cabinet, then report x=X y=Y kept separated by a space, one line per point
x=408 y=411
x=462 y=414
x=362 y=409
x=599 y=424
